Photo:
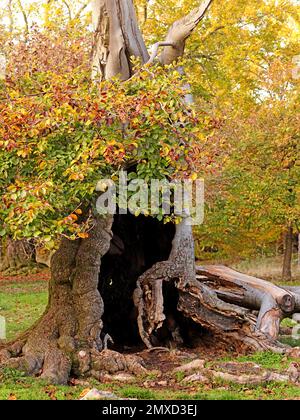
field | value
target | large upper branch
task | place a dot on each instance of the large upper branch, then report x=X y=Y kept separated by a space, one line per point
x=117 y=38
x=181 y=30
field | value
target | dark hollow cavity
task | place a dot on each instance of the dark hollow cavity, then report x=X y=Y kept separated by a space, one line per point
x=137 y=244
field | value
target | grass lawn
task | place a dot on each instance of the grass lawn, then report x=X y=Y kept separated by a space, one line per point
x=22 y=304
x=268 y=268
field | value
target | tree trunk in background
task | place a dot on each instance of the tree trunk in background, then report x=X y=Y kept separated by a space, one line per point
x=142 y=11
x=149 y=274
x=298 y=251
x=288 y=254
x=16 y=256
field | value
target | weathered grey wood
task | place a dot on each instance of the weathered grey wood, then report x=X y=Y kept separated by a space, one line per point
x=273 y=302
x=117 y=39
x=181 y=30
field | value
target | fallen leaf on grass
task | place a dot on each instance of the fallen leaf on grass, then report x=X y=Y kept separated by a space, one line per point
x=84 y=392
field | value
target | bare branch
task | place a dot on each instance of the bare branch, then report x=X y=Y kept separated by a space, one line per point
x=82 y=8
x=117 y=38
x=68 y=9
x=155 y=49
x=181 y=30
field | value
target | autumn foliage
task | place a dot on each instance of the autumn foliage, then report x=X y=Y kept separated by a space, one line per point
x=60 y=133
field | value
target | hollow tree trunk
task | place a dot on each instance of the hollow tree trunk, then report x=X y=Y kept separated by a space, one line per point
x=288 y=254
x=225 y=314
x=68 y=336
x=169 y=289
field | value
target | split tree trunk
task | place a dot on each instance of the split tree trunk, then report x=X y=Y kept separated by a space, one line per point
x=170 y=292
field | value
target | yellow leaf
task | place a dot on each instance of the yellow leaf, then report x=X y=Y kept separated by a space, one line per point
x=84 y=392
x=83 y=235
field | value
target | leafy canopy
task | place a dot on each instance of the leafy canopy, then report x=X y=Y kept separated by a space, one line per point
x=60 y=134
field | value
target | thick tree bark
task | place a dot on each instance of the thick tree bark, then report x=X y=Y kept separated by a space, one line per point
x=288 y=254
x=68 y=336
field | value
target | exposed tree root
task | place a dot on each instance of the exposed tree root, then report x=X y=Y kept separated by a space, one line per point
x=68 y=336
x=240 y=373
x=208 y=375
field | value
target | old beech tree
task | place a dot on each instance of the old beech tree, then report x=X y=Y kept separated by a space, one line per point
x=134 y=278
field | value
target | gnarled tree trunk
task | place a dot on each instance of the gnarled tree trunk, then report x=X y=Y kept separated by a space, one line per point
x=134 y=280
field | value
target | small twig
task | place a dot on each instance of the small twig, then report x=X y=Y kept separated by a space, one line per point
x=157 y=349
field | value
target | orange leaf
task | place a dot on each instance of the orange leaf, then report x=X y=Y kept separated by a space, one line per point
x=83 y=235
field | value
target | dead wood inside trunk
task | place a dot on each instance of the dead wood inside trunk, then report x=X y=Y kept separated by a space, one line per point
x=288 y=254
x=137 y=244
x=241 y=311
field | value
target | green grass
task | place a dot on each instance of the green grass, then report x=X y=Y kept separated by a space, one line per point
x=22 y=304
x=13 y=385
x=288 y=322
x=267 y=360
x=269 y=268
x=35 y=389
